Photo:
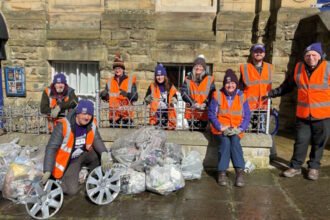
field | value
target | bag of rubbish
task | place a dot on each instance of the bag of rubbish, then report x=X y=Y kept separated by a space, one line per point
x=173 y=153
x=164 y=180
x=8 y=153
x=192 y=166
x=19 y=178
x=131 y=181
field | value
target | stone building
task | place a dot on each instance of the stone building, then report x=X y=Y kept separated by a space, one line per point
x=80 y=38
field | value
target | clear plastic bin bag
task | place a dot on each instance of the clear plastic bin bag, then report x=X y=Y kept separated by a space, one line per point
x=192 y=166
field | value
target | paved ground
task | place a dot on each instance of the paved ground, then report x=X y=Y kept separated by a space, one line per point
x=267 y=195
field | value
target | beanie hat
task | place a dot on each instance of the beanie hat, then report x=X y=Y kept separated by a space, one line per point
x=200 y=60
x=59 y=78
x=160 y=70
x=256 y=47
x=230 y=76
x=85 y=106
x=317 y=47
x=118 y=62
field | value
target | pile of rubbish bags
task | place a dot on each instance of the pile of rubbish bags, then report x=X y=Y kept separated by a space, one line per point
x=19 y=168
x=148 y=162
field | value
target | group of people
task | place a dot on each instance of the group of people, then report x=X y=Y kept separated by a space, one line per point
x=75 y=141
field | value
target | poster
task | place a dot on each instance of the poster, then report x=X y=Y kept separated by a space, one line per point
x=15 y=81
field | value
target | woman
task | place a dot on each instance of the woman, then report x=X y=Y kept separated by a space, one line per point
x=229 y=115
x=161 y=96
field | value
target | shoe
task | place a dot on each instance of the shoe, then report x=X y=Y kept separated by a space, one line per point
x=239 y=178
x=291 y=172
x=313 y=174
x=222 y=178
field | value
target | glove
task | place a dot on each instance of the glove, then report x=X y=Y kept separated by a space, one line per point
x=236 y=131
x=123 y=93
x=228 y=132
x=174 y=101
x=45 y=177
x=103 y=94
x=106 y=161
x=202 y=106
x=148 y=99
x=271 y=94
x=54 y=112
x=196 y=105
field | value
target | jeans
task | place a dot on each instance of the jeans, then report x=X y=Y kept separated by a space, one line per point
x=314 y=132
x=229 y=147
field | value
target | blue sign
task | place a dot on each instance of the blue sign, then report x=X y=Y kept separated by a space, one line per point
x=15 y=81
x=325 y=5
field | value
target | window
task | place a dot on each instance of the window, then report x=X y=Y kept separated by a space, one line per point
x=81 y=76
x=176 y=73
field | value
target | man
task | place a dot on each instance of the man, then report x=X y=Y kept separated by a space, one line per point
x=196 y=92
x=256 y=82
x=120 y=91
x=311 y=77
x=75 y=143
x=57 y=100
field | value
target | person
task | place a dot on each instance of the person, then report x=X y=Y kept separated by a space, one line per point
x=229 y=116
x=311 y=77
x=196 y=91
x=120 y=91
x=75 y=143
x=256 y=81
x=57 y=100
x=161 y=96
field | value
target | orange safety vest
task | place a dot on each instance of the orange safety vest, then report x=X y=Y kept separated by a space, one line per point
x=156 y=95
x=52 y=122
x=199 y=94
x=63 y=154
x=231 y=116
x=257 y=85
x=314 y=92
x=116 y=101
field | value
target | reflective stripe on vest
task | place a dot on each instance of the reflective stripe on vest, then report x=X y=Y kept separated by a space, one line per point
x=52 y=101
x=228 y=111
x=248 y=82
x=310 y=85
x=205 y=92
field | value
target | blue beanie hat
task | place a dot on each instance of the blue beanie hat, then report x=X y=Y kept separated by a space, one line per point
x=59 y=78
x=160 y=70
x=85 y=106
x=317 y=47
x=256 y=47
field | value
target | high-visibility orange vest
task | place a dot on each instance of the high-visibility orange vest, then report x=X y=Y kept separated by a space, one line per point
x=314 y=92
x=231 y=116
x=116 y=100
x=257 y=85
x=199 y=93
x=156 y=95
x=63 y=154
x=53 y=101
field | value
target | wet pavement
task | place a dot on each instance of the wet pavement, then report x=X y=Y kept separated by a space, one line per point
x=266 y=195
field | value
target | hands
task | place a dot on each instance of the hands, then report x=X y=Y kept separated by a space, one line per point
x=174 y=101
x=45 y=177
x=231 y=131
x=271 y=94
x=103 y=94
x=55 y=111
x=148 y=99
x=123 y=93
x=199 y=106
x=106 y=161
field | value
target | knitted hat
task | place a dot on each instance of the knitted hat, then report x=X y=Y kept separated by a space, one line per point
x=160 y=70
x=256 y=47
x=200 y=60
x=118 y=62
x=85 y=106
x=230 y=76
x=317 y=47
x=59 y=78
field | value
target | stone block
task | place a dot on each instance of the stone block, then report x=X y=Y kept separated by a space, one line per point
x=120 y=35
x=79 y=34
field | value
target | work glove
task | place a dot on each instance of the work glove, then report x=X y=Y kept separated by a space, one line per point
x=148 y=99
x=228 y=132
x=45 y=177
x=236 y=131
x=271 y=94
x=202 y=106
x=196 y=105
x=174 y=101
x=104 y=94
x=55 y=111
x=123 y=93
x=106 y=161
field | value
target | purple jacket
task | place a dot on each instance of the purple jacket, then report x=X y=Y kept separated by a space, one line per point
x=213 y=112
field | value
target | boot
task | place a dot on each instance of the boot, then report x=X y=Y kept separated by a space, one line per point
x=239 y=177
x=222 y=178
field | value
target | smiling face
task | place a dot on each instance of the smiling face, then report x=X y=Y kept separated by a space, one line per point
x=199 y=69
x=83 y=119
x=312 y=58
x=230 y=87
x=160 y=79
x=258 y=55
x=118 y=71
x=59 y=87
